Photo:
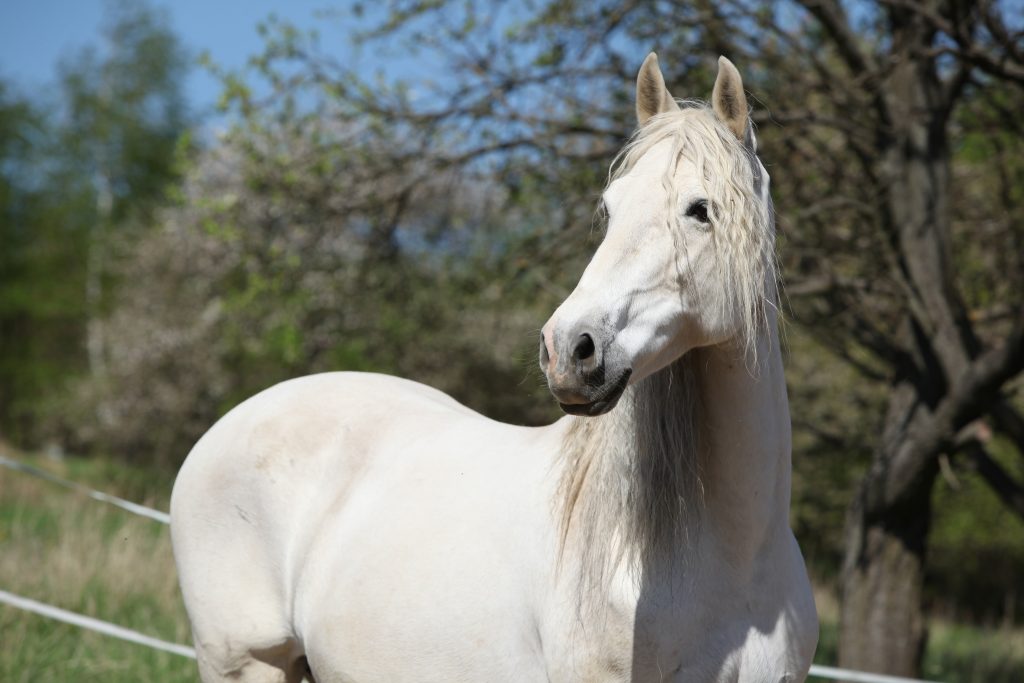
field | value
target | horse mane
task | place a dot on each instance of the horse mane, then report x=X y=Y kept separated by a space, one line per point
x=631 y=489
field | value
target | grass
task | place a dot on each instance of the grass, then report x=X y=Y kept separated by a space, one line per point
x=954 y=653
x=970 y=655
x=63 y=549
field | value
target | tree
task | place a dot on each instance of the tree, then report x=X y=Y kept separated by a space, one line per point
x=277 y=260
x=77 y=185
x=24 y=266
x=911 y=319
x=125 y=115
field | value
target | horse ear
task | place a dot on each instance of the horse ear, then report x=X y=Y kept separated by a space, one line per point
x=652 y=97
x=728 y=99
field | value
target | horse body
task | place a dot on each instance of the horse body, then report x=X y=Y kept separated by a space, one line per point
x=359 y=528
x=388 y=533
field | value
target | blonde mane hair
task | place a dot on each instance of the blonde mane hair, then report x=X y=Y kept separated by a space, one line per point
x=631 y=489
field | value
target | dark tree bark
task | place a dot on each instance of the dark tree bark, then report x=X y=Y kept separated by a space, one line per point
x=881 y=627
x=881 y=624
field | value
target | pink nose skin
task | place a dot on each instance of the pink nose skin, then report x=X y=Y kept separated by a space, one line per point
x=547 y=339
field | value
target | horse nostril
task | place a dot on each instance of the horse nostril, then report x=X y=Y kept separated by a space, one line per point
x=584 y=347
x=544 y=358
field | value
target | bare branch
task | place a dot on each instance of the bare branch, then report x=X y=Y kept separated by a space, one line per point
x=969 y=397
x=1009 y=491
x=1007 y=63
x=834 y=21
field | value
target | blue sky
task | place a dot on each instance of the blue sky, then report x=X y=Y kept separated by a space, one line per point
x=36 y=34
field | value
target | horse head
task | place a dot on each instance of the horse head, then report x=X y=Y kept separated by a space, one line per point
x=687 y=259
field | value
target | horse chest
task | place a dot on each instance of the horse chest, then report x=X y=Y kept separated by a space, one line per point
x=715 y=626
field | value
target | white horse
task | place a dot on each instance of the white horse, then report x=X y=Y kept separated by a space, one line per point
x=354 y=528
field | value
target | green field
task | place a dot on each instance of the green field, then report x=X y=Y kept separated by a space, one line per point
x=955 y=653
x=61 y=548
x=66 y=550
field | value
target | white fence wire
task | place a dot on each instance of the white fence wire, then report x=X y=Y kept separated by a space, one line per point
x=131 y=507
x=115 y=631
x=91 y=624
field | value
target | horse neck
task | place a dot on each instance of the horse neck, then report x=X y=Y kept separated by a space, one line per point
x=700 y=447
x=744 y=436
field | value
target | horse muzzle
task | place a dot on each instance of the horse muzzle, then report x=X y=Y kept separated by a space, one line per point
x=583 y=371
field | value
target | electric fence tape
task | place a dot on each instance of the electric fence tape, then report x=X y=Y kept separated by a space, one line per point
x=96 y=625
x=134 y=508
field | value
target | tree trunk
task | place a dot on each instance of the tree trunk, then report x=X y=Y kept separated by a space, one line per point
x=882 y=628
x=881 y=625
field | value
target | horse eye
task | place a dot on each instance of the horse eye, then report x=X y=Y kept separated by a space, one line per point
x=698 y=210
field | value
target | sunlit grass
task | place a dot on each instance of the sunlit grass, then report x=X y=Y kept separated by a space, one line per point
x=66 y=550
x=954 y=653
x=963 y=654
